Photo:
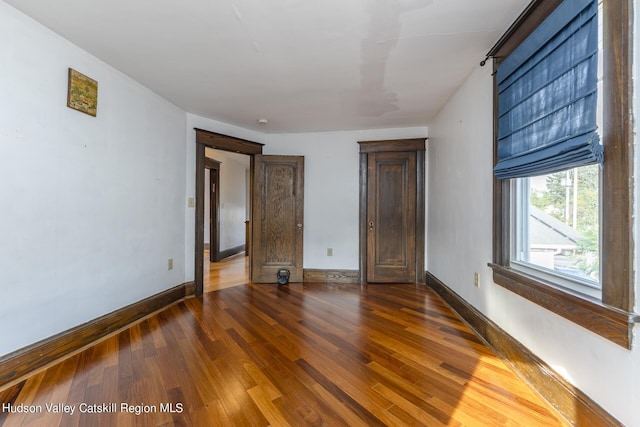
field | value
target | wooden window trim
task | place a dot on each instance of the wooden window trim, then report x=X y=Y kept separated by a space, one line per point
x=613 y=317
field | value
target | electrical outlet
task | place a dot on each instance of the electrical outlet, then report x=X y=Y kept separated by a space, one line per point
x=170 y=264
x=329 y=251
x=192 y=202
x=476 y=280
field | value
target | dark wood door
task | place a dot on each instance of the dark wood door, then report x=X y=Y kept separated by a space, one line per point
x=277 y=224
x=391 y=217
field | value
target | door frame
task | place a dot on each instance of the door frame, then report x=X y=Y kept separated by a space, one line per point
x=413 y=144
x=214 y=208
x=204 y=139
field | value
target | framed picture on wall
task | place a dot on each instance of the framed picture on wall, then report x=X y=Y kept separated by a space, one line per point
x=82 y=93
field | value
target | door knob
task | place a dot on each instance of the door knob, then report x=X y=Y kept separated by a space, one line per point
x=299 y=225
x=370 y=225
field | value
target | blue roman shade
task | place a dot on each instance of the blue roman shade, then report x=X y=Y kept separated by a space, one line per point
x=547 y=96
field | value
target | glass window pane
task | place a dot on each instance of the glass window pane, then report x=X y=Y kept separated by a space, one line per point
x=557 y=223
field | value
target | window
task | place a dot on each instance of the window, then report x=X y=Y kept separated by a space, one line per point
x=563 y=239
x=555 y=228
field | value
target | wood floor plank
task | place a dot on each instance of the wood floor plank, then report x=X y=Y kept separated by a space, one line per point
x=267 y=407
x=432 y=417
x=305 y=354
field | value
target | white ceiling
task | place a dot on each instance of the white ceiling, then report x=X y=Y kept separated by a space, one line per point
x=305 y=65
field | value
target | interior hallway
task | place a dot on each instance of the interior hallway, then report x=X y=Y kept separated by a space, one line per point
x=230 y=271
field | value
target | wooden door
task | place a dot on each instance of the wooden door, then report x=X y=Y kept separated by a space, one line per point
x=277 y=218
x=391 y=217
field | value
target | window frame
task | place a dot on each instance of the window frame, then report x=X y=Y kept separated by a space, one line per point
x=612 y=317
x=519 y=243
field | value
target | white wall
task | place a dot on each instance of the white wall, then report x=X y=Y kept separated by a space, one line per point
x=331 y=196
x=331 y=186
x=459 y=227
x=92 y=207
x=233 y=198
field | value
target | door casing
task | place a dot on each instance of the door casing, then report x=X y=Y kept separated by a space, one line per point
x=214 y=208
x=205 y=138
x=416 y=145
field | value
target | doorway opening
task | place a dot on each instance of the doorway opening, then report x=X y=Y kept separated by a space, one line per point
x=211 y=140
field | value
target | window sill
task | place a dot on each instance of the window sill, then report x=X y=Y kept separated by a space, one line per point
x=608 y=322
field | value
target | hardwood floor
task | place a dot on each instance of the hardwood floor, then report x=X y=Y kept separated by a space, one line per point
x=312 y=354
x=230 y=271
